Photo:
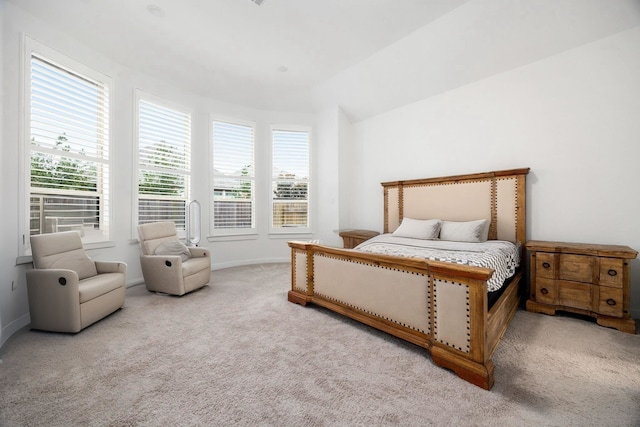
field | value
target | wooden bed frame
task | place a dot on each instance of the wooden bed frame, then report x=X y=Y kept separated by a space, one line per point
x=440 y=306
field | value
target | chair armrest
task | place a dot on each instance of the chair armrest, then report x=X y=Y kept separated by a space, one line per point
x=53 y=280
x=54 y=300
x=160 y=261
x=163 y=273
x=62 y=278
x=111 y=267
x=199 y=252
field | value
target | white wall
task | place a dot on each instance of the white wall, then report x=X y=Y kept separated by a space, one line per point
x=573 y=118
x=260 y=248
x=346 y=168
x=3 y=182
x=327 y=184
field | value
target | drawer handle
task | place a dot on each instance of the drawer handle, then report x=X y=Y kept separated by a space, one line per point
x=545 y=291
x=612 y=273
x=546 y=265
x=611 y=301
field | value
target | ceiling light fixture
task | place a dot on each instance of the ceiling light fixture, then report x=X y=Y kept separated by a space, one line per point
x=258 y=2
x=155 y=10
x=283 y=69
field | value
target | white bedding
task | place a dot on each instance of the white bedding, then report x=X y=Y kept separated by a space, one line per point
x=503 y=257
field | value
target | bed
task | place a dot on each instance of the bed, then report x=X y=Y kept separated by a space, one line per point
x=438 y=303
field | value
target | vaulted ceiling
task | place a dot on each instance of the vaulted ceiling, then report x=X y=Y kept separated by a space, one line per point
x=366 y=56
x=266 y=56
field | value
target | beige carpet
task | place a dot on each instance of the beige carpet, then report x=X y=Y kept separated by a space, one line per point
x=237 y=353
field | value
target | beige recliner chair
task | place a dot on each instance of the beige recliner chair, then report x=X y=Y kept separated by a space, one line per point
x=67 y=290
x=168 y=266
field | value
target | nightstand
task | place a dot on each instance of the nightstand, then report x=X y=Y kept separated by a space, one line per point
x=587 y=279
x=352 y=238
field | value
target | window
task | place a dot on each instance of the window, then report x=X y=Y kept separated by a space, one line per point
x=164 y=159
x=290 y=180
x=68 y=131
x=233 y=178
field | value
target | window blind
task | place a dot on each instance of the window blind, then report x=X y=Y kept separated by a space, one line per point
x=164 y=158
x=69 y=151
x=233 y=176
x=290 y=179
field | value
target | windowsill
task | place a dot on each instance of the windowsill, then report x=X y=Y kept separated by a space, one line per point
x=99 y=245
x=232 y=237
x=288 y=236
x=24 y=259
x=255 y=236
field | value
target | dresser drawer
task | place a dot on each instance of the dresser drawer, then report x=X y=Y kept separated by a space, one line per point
x=575 y=295
x=576 y=268
x=546 y=265
x=546 y=290
x=610 y=301
x=612 y=272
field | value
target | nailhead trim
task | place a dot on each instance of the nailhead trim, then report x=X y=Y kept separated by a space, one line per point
x=467 y=348
x=368 y=311
x=300 y=288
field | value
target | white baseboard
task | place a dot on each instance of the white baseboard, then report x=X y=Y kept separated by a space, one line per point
x=223 y=265
x=13 y=327
x=220 y=266
x=135 y=282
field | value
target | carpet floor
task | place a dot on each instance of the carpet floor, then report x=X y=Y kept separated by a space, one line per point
x=238 y=353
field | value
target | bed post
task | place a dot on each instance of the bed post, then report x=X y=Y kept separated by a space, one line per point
x=301 y=258
x=458 y=302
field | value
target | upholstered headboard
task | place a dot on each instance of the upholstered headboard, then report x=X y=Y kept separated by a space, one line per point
x=498 y=196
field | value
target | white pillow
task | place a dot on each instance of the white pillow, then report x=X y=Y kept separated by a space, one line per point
x=469 y=231
x=418 y=228
x=174 y=247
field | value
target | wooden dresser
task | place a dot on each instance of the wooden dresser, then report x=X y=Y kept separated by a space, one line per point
x=581 y=278
x=352 y=238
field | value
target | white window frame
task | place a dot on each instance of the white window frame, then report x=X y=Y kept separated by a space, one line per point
x=32 y=47
x=230 y=232
x=141 y=95
x=284 y=231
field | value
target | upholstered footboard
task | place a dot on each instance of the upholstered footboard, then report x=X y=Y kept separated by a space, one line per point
x=439 y=306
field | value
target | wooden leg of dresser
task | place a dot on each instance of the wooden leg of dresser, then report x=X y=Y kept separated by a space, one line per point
x=536 y=307
x=624 y=325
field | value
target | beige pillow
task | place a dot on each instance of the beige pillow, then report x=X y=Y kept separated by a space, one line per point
x=469 y=231
x=77 y=261
x=174 y=247
x=418 y=228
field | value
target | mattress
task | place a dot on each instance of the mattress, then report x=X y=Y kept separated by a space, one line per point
x=501 y=256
